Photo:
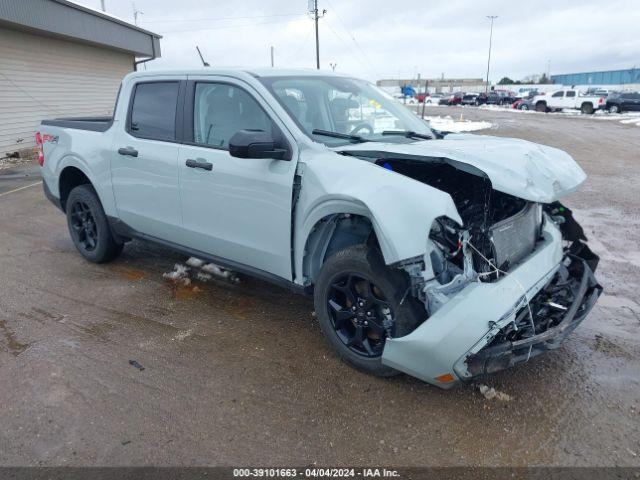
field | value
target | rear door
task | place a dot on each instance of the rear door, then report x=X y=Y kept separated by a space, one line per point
x=569 y=100
x=144 y=159
x=233 y=208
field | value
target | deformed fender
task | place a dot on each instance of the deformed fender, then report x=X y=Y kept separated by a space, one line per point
x=400 y=209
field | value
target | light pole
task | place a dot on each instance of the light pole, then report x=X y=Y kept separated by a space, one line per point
x=492 y=18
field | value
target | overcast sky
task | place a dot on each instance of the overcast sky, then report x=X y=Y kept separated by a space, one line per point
x=386 y=39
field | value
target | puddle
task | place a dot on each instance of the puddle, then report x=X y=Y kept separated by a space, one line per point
x=15 y=347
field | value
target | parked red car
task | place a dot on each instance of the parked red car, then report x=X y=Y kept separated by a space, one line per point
x=453 y=99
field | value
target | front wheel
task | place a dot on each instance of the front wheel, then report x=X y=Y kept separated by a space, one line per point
x=614 y=109
x=541 y=107
x=360 y=303
x=88 y=226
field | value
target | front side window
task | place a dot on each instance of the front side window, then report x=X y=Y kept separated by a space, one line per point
x=153 y=113
x=220 y=110
x=557 y=94
x=342 y=105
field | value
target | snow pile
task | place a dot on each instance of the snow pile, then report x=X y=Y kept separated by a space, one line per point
x=448 y=124
x=490 y=393
x=197 y=269
x=179 y=274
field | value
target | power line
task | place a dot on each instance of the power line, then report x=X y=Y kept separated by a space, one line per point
x=215 y=19
x=349 y=47
x=223 y=27
x=353 y=38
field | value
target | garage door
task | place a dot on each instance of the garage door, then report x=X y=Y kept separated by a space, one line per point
x=42 y=78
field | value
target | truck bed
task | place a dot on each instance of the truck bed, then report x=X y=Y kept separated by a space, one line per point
x=94 y=124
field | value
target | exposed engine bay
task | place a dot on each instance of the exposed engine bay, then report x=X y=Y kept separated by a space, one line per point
x=501 y=229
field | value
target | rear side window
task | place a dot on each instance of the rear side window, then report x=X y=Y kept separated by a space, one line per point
x=153 y=112
x=571 y=93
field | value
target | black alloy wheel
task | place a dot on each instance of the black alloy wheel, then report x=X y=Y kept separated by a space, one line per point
x=361 y=304
x=360 y=314
x=89 y=227
x=84 y=226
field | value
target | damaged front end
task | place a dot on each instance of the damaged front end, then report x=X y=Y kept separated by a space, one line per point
x=542 y=323
x=508 y=283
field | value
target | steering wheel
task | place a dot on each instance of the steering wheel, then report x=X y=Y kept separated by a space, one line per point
x=362 y=126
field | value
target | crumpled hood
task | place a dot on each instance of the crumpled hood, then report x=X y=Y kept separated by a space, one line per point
x=524 y=169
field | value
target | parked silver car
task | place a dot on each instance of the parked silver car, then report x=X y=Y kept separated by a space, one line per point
x=440 y=255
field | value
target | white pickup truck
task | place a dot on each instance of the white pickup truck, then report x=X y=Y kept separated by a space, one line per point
x=570 y=98
x=444 y=256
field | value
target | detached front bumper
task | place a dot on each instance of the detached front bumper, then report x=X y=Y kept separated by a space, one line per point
x=487 y=326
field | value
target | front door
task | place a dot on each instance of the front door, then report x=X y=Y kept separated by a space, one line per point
x=234 y=208
x=144 y=161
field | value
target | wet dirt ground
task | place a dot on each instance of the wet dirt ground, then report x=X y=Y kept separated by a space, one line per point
x=240 y=374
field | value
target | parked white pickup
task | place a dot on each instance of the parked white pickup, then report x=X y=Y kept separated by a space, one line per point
x=555 y=101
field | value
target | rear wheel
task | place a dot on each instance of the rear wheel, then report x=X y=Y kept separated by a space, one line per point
x=524 y=106
x=88 y=226
x=586 y=108
x=614 y=109
x=359 y=304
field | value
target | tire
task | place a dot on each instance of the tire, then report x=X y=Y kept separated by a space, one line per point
x=614 y=109
x=524 y=107
x=355 y=292
x=587 y=108
x=541 y=107
x=88 y=226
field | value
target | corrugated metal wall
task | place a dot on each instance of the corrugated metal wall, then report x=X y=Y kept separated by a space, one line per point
x=42 y=77
x=610 y=77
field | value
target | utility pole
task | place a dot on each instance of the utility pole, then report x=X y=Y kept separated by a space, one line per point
x=333 y=66
x=272 y=56
x=492 y=18
x=313 y=9
x=102 y=5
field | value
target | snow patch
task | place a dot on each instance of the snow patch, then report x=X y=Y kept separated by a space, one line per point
x=490 y=393
x=448 y=124
x=197 y=269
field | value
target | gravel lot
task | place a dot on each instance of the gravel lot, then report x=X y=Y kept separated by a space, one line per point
x=240 y=375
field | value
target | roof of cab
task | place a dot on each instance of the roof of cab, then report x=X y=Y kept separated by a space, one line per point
x=240 y=72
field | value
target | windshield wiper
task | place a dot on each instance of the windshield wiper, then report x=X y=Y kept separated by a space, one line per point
x=408 y=134
x=345 y=136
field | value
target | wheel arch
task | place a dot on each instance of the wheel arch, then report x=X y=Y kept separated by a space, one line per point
x=331 y=234
x=331 y=226
x=70 y=177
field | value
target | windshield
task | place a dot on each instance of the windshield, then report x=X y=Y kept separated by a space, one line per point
x=345 y=106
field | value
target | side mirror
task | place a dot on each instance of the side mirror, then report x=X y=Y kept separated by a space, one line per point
x=255 y=144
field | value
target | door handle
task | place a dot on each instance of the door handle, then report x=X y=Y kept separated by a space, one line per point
x=199 y=163
x=130 y=151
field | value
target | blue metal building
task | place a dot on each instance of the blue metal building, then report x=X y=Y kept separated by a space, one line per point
x=610 y=77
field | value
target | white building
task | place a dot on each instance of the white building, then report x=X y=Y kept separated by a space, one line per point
x=60 y=59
